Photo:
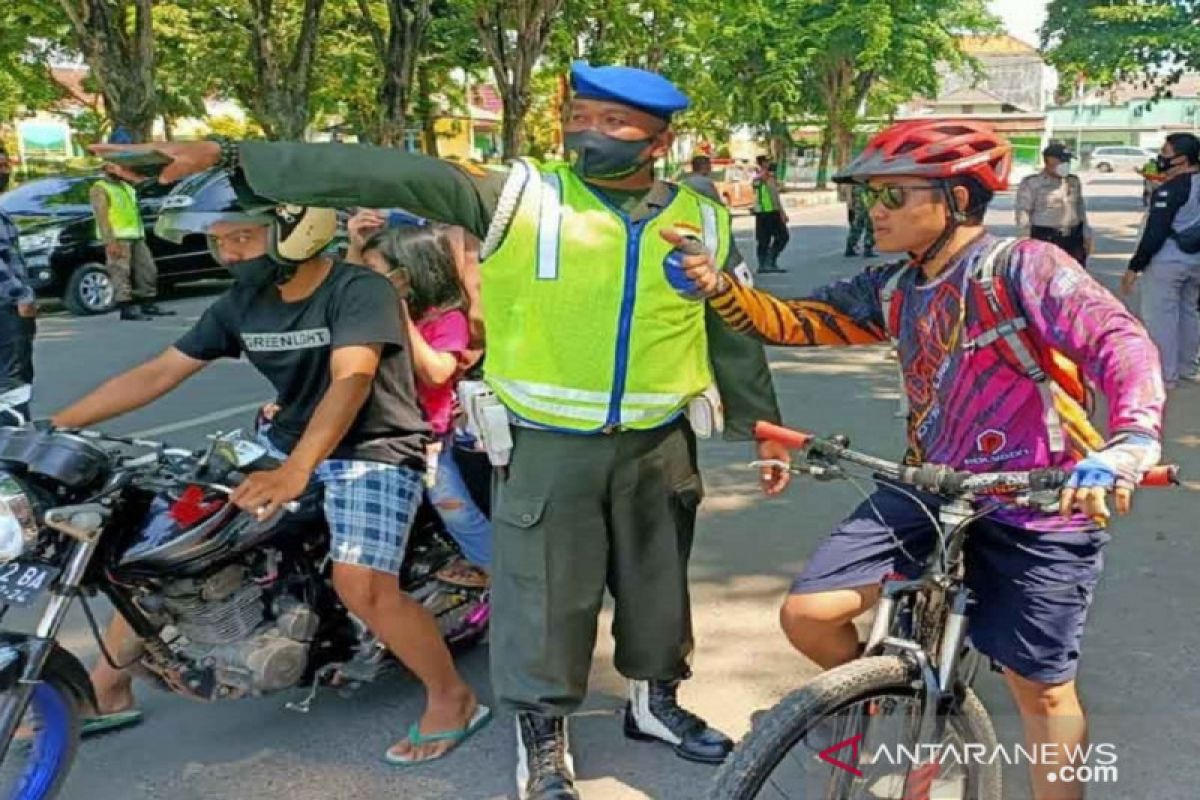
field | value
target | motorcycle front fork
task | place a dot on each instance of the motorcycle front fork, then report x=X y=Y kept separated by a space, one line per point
x=39 y=646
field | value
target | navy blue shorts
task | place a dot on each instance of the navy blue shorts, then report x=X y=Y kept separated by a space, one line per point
x=1032 y=588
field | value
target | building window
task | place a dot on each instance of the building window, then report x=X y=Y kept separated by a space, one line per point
x=968 y=108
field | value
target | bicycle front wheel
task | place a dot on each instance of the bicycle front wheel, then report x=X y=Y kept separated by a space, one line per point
x=864 y=715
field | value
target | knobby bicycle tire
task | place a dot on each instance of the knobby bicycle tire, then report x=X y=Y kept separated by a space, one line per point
x=783 y=726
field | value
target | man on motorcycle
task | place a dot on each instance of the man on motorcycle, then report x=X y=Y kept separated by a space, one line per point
x=330 y=339
x=973 y=405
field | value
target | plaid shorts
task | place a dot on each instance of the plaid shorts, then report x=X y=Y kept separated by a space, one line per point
x=370 y=509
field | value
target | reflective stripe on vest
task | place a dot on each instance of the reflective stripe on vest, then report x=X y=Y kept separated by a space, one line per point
x=584 y=331
x=766 y=203
x=124 y=216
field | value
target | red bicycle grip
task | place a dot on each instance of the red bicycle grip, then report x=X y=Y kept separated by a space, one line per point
x=770 y=432
x=1162 y=475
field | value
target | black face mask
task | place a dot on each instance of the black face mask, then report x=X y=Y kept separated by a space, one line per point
x=1164 y=162
x=594 y=155
x=255 y=273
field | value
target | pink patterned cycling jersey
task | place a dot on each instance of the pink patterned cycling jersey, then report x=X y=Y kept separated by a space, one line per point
x=969 y=408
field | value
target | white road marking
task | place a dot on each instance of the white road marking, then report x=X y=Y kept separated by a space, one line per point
x=195 y=422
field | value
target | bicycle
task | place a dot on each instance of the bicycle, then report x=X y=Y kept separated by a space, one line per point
x=858 y=731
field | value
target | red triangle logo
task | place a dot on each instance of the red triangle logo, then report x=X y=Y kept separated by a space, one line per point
x=853 y=742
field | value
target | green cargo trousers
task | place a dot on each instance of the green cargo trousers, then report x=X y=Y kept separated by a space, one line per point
x=573 y=515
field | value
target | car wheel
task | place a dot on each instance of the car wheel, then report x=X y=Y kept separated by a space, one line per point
x=1104 y=166
x=89 y=291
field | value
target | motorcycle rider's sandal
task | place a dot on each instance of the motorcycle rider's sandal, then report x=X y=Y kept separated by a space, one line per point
x=479 y=720
x=103 y=723
x=90 y=726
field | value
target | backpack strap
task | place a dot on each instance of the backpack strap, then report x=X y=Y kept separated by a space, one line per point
x=892 y=301
x=1004 y=326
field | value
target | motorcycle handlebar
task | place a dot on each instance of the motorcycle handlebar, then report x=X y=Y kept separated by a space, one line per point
x=941 y=479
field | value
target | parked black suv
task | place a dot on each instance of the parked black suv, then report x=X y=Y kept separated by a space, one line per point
x=65 y=259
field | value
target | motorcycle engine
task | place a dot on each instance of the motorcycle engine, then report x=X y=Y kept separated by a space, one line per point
x=245 y=642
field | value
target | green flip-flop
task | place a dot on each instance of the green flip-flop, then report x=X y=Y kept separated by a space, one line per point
x=481 y=717
x=104 y=723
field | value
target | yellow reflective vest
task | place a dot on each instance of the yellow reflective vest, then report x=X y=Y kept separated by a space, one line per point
x=123 y=213
x=584 y=332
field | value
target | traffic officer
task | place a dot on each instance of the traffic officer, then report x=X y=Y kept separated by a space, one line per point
x=861 y=226
x=129 y=262
x=601 y=353
x=1050 y=205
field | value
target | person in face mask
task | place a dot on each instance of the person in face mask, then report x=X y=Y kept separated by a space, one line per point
x=600 y=357
x=1050 y=205
x=331 y=340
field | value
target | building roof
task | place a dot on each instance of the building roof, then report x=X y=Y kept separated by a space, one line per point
x=484 y=96
x=71 y=79
x=1003 y=45
x=1188 y=86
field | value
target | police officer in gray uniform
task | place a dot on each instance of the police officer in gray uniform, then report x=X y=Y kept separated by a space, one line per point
x=1050 y=205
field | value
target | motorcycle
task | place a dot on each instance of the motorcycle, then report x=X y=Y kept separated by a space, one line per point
x=226 y=605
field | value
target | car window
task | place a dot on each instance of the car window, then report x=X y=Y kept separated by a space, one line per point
x=55 y=196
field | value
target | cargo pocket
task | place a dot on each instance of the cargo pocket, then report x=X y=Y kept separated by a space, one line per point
x=520 y=547
x=685 y=500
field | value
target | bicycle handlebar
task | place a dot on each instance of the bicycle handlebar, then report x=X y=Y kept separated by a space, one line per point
x=941 y=479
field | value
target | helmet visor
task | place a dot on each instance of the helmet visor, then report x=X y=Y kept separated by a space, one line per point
x=175 y=225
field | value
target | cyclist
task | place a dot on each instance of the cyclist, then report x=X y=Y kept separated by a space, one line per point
x=972 y=407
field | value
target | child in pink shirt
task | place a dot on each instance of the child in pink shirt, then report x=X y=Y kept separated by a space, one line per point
x=420 y=262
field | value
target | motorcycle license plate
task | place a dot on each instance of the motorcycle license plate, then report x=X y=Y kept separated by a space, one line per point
x=22 y=582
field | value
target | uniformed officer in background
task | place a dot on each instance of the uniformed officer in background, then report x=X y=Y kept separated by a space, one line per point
x=602 y=353
x=1050 y=205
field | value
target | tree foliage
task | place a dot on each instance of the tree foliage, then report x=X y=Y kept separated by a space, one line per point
x=1103 y=42
x=514 y=34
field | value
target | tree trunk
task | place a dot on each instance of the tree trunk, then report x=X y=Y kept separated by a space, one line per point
x=514 y=34
x=121 y=59
x=823 y=160
x=429 y=137
x=398 y=50
x=516 y=106
x=282 y=88
x=168 y=128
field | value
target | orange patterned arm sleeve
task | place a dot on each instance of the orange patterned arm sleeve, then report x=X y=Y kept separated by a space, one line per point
x=799 y=323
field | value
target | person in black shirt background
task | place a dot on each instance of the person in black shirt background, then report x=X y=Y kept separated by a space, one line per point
x=1172 y=275
x=18 y=324
x=330 y=338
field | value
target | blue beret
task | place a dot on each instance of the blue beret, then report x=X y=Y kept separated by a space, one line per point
x=645 y=91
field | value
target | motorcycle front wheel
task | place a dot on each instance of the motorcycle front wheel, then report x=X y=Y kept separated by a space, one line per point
x=41 y=755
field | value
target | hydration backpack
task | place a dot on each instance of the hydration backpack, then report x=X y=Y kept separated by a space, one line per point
x=1067 y=398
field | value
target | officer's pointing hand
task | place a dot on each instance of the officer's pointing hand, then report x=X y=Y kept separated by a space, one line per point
x=690 y=268
x=186 y=158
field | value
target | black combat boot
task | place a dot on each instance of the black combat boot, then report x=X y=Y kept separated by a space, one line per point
x=131 y=313
x=654 y=714
x=152 y=309
x=544 y=767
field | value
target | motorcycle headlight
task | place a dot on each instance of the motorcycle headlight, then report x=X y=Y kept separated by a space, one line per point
x=18 y=528
x=39 y=240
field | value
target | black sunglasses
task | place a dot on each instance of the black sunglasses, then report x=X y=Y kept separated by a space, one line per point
x=892 y=195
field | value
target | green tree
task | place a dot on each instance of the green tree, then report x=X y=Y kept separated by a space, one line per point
x=514 y=34
x=116 y=38
x=828 y=59
x=1106 y=41
x=31 y=34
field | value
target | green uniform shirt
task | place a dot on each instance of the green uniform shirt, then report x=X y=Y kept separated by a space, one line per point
x=337 y=175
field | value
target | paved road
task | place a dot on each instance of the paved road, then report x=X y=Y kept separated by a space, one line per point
x=1139 y=676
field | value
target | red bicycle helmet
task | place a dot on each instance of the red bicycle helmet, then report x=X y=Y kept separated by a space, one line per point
x=935 y=149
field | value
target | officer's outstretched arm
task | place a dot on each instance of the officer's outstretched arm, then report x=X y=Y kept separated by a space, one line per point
x=338 y=175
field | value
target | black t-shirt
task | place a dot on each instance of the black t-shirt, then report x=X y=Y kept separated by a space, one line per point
x=290 y=344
